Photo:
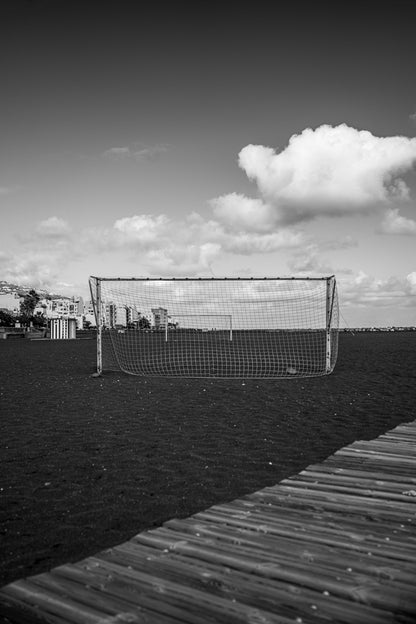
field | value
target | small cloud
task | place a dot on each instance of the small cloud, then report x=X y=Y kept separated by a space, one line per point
x=137 y=233
x=247 y=243
x=117 y=153
x=53 y=227
x=308 y=258
x=176 y=259
x=343 y=243
x=136 y=152
x=42 y=256
x=240 y=213
x=151 y=152
x=411 y=282
x=65 y=285
x=394 y=223
x=412 y=116
x=142 y=229
x=38 y=270
x=235 y=237
x=307 y=261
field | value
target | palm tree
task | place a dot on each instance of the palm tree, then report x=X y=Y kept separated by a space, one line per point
x=27 y=306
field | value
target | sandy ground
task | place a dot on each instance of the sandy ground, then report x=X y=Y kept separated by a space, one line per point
x=87 y=463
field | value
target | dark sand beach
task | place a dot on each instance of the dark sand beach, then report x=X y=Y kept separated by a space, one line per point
x=87 y=463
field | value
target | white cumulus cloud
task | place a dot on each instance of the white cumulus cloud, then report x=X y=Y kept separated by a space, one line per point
x=184 y=245
x=142 y=229
x=240 y=213
x=362 y=290
x=37 y=269
x=247 y=243
x=53 y=227
x=177 y=259
x=411 y=283
x=327 y=171
x=394 y=223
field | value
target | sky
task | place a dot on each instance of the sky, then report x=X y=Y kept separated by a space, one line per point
x=211 y=140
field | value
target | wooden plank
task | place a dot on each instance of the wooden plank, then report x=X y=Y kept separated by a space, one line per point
x=286 y=506
x=388 y=445
x=284 y=539
x=337 y=504
x=247 y=588
x=192 y=605
x=128 y=602
x=384 y=440
x=96 y=597
x=359 y=481
x=400 y=437
x=177 y=570
x=407 y=461
x=331 y=466
x=389 y=549
x=406 y=505
x=381 y=469
x=328 y=487
x=52 y=604
x=287 y=547
x=15 y=611
x=355 y=528
x=348 y=585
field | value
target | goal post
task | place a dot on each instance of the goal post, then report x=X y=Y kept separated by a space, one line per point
x=95 y=291
x=216 y=327
x=330 y=300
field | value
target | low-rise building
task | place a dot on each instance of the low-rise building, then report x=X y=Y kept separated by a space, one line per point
x=10 y=302
x=160 y=318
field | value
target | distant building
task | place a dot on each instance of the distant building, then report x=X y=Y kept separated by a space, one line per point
x=10 y=302
x=61 y=308
x=51 y=307
x=89 y=315
x=132 y=315
x=160 y=318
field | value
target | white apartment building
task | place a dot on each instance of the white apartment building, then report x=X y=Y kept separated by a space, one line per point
x=57 y=307
x=10 y=302
x=116 y=315
x=160 y=318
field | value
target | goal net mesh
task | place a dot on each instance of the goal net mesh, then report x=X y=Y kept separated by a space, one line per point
x=242 y=328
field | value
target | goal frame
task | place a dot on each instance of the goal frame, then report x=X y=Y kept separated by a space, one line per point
x=96 y=298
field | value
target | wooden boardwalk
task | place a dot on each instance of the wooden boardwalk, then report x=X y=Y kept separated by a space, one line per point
x=336 y=543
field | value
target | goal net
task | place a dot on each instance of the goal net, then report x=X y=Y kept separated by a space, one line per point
x=230 y=327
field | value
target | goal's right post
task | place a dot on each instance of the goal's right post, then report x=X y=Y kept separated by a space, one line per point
x=330 y=298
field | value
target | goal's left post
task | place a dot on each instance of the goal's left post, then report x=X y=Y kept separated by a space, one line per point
x=95 y=290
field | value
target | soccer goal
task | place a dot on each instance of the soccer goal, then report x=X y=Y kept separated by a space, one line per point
x=212 y=327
